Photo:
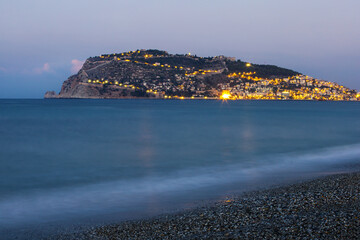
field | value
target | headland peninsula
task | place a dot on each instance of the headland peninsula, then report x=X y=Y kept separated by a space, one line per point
x=157 y=74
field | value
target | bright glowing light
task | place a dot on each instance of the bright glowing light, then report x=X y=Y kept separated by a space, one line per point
x=225 y=95
x=248 y=64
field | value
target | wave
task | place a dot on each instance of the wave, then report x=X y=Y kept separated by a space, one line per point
x=135 y=195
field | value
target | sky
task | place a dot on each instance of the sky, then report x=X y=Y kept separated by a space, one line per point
x=43 y=42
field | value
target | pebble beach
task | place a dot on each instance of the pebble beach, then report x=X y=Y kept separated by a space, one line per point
x=324 y=208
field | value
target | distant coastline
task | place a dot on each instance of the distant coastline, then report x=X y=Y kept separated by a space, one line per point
x=158 y=74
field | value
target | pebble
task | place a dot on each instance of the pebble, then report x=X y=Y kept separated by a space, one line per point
x=325 y=208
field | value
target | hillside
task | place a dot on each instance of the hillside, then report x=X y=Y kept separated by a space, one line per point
x=158 y=74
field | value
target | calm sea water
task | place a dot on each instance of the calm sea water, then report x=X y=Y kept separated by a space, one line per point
x=92 y=161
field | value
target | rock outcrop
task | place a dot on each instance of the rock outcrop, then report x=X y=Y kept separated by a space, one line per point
x=51 y=94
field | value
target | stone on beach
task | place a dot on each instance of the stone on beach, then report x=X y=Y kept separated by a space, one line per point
x=325 y=208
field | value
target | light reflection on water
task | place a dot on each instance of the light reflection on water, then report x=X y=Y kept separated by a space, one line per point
x=62 y=158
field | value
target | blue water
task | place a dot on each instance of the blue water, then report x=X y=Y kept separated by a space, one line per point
x=108 y=160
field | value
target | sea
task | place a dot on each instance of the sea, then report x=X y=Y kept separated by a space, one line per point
x=71 y=163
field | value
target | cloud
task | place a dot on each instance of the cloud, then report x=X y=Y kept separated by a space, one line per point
x=44 y=68
x=76 y=65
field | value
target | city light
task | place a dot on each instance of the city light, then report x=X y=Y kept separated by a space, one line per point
x=239 y=85
x=225 y=95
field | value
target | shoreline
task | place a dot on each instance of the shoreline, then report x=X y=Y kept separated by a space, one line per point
x=321 y=208
x=197 y=98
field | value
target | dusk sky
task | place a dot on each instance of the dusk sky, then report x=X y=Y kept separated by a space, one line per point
x=43 y=42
